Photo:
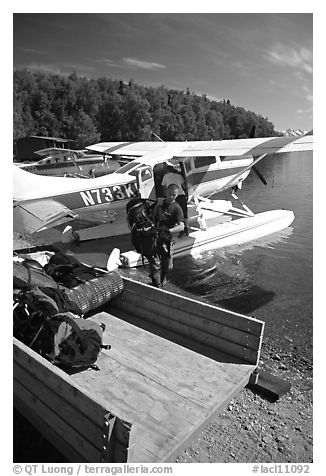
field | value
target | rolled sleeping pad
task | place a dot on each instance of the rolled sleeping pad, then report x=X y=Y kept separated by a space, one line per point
x=96 y=292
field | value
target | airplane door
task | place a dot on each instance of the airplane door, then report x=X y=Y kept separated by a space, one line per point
x=145 y=179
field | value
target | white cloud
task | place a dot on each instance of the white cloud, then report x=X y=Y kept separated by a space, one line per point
x=142 y=64
x=299 y=58
x=226 y=62
x=34 y=51
x=277 y=84
x=308 y=93
x=305 y=112
x=109 y=62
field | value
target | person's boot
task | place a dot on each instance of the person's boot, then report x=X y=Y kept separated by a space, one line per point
x=184 y=232
x=163 y=279
x=156 y=281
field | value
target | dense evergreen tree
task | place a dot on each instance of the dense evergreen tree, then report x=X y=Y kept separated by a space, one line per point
x=89 y=111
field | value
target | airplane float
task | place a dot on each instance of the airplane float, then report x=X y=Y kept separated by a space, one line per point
x=208 y=167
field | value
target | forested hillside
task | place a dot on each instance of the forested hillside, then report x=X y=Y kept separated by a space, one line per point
x=103 y=109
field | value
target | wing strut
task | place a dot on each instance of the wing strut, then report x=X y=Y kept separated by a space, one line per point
x=254 y=168
x=259 y=175
x=231 y=183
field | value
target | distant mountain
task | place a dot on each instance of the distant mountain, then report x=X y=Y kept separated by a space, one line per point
x=294 y=132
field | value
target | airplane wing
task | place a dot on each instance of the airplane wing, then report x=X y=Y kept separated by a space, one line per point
x=229 y=147
x=50 y=151
x=37 y=215
x=253 y=146
x=132 y=149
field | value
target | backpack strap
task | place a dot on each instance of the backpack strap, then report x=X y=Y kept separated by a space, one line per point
x=104 y=346
x=69 y=320
x=156 y=212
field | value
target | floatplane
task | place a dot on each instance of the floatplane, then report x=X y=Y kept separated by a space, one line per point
x=208 y=167
x=70 y=163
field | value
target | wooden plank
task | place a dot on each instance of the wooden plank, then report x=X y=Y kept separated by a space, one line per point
x=56 y=379
x=142 y=355
x=43 y=427
x=197 y=321
x=118 y=453
x=194 y=321
x=60 y=406
x=162 y=419
x=172 y=336
x=158 y=413
x=59 y=380
x=182 y=445
x=243 y=354
x=54 y=421
x=165 y=390
x=191 y=306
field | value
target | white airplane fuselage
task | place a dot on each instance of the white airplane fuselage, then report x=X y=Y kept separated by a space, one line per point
x=207 y=167
x=203 y=175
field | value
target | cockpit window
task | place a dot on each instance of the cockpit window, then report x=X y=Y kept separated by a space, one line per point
x=204 y=161
x=127 y=167
x=146 y=174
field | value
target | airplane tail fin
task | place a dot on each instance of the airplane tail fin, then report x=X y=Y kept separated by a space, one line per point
x=29 y=186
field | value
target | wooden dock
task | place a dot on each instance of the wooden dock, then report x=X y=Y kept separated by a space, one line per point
x=174 y=363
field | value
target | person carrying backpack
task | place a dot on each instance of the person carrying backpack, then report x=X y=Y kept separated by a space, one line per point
x=168 y=217
x=144 y=233
x=173 y=176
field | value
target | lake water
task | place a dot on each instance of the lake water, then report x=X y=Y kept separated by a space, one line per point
x=270 y=278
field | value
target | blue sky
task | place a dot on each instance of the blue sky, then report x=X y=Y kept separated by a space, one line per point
x=260 y=61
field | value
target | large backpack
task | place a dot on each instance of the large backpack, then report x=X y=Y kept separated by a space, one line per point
x=77 y=342
x=144 y=233
x=68 y=271
x=29 y=273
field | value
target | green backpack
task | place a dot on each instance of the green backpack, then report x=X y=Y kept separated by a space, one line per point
x=77 y=342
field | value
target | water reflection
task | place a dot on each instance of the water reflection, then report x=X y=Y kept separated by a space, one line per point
x=222 y=279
